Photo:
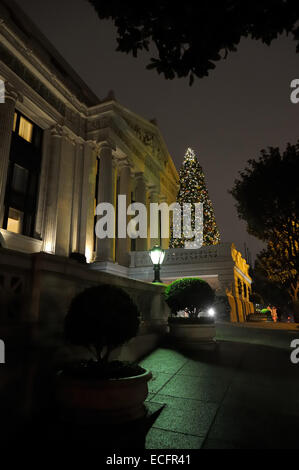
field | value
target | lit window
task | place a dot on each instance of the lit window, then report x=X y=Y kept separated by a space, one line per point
x=15 y=221
x=25 y=129
x=14 y=122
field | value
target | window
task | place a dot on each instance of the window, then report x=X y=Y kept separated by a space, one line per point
x=19 y=179
x=15 y=122
x=240 y=287
x=25 y=129
x=245 y=290
x=15 y=220
x=23 y=176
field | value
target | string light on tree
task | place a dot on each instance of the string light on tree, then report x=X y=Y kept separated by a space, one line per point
x=192 y=189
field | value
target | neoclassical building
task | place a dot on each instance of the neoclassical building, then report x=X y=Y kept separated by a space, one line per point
x=63 y=151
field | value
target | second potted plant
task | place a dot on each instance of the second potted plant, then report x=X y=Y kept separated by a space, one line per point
x=192 y=317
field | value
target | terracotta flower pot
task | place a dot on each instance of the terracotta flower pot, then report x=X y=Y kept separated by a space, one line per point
x=111 y=400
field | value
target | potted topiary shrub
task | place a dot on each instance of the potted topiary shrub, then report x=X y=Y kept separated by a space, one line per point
x=102 y=318
x=192 y=321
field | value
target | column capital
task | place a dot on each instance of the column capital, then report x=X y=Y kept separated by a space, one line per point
x=106 y=145
x=11 y=93
x=124 y=163
x=56 y=130
x=153 y=191
x=139 y=176
x=93 y=145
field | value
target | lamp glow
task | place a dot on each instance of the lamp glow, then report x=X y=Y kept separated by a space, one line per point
x=211 y=312
x=157 y=255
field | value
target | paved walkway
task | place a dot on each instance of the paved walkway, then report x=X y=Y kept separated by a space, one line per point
x=243 y=394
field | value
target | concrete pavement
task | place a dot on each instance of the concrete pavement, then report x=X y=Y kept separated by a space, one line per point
x=242 y=394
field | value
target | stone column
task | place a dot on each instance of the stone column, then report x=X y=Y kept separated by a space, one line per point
x=43 y=184
x=164 y=241
x=86 y=229
x=140 y=196
x=104 y=247
x=123 y=244
x=77 y=197
x=153 y=197
x=7 y=110
x=59 y=194
x=50 y=216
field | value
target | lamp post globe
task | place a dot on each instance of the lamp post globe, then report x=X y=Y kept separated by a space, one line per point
x=157 y=255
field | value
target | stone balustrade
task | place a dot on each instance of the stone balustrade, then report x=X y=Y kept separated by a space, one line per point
x=183 y=256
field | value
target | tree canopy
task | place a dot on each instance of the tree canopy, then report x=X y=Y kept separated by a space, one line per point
x=266 y=291
x=188 y=38
x=281 y=263
x=267 y=196
x=192 y=294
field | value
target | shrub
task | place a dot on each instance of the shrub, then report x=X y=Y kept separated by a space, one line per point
x=102 y=317
x=265 y=311
x=79 y=257
x=192 y=294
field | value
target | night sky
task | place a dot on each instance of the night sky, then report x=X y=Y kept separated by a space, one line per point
x=227 y=118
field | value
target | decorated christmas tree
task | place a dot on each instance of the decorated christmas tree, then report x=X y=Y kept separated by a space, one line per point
x=193 y=189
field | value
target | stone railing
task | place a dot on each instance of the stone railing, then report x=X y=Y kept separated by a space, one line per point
x=183 y=256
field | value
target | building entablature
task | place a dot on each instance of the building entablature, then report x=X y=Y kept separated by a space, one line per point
x=34 y=72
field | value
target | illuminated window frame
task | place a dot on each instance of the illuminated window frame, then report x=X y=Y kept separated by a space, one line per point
x=25 y=129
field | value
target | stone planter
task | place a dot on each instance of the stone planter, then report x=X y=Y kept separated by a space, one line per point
x=258 y=317
x=192 y=335
x=108 y=400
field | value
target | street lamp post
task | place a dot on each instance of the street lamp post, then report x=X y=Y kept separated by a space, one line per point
x=157 y=255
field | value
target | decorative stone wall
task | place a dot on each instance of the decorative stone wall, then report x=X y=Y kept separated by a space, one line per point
x=35 y=293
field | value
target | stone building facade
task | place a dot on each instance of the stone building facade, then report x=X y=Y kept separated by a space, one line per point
x=63 y=151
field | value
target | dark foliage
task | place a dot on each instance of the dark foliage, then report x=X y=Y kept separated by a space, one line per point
x=79 y=257
x=267 y=196
x=267 y=292
x=192 y=294
x=187 y=38
x=103 y=316
x=267 y=193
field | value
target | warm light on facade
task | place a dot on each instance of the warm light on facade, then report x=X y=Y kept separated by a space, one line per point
x=88 y=254
x=14 y=221
x=48 y=248
x=25 y=129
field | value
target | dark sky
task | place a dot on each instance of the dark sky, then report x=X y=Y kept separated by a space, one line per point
x=227 y=118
